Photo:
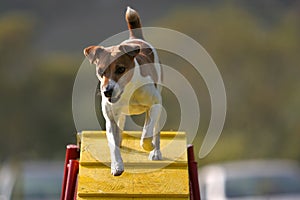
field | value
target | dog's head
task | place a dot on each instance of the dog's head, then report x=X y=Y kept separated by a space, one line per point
x=113 y=67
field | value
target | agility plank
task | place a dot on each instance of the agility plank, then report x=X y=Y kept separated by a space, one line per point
x=142 y=179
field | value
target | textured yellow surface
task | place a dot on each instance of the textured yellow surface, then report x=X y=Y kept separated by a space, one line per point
x=142 y=179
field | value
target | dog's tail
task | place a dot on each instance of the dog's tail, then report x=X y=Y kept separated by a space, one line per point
x=134 y=24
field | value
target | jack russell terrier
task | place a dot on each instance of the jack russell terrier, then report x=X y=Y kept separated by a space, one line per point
x=130 y=74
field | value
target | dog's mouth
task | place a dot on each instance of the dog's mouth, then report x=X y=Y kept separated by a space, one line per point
x=114 y=99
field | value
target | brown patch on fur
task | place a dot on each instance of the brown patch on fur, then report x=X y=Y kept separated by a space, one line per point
x=110 y=60
x=146 y=60
x=134 y=24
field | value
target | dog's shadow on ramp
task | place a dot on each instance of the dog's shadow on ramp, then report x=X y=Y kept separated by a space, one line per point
x=126 y=149
x=141 y=153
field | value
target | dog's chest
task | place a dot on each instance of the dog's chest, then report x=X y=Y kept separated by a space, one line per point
x=139 y=94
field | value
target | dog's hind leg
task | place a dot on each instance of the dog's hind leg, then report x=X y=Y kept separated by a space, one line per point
x=155 y=154
x=151 y=138
x=147 y=134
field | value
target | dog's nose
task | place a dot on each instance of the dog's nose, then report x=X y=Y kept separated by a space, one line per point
x=108 y=93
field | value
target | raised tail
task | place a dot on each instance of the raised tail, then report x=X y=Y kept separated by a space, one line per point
x=134 y=24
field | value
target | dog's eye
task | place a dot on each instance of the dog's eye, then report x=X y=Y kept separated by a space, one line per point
x=120 y=70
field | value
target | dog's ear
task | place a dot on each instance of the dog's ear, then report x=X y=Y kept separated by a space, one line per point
x=92 y=52
x=130 y=49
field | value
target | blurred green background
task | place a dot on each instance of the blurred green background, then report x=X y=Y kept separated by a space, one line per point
x=255 y=44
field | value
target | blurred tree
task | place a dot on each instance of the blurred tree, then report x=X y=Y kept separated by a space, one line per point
x=35 y=103
x=15 y=34
x=260 y=68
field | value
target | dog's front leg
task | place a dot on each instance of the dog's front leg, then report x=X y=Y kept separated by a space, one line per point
x=121 y=125
x=113 y=135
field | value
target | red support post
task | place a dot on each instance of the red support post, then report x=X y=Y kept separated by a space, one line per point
x=72 y=180
x=75 y=193
x=72 y=153
x=193 y=175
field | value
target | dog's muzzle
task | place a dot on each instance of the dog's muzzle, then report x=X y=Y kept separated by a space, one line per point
x=108 y=93
x=112 y=92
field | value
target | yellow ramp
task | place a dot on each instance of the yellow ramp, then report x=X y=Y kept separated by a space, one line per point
x=142 y=178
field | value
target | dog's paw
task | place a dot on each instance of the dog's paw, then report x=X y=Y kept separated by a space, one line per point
x=116 y=172
x=155 y=155
x=146 y=144
x=117 y=169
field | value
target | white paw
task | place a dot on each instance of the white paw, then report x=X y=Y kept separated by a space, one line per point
x=117 y=169
x=155 y=155
x=146 y=144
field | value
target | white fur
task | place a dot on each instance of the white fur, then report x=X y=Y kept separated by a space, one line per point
x=139 y=96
